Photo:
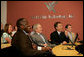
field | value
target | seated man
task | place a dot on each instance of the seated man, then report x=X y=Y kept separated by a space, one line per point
x=58 y=37
x=21 y=40
x=69 y=33
x=39 y=39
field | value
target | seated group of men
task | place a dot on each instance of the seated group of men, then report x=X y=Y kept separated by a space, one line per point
x=36 y=44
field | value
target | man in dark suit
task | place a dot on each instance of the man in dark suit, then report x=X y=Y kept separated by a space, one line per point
x=21 y=40
x=58 y=37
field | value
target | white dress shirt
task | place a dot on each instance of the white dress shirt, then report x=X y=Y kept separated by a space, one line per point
x=58 y=32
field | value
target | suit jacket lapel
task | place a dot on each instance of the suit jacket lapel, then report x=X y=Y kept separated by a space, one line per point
x=38 y=36
x=45 y=39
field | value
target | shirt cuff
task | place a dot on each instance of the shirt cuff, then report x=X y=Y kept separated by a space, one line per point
x=39 y=48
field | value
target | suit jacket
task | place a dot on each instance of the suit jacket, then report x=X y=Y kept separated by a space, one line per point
x=23 y=44
x=39 y=41
x=56 y=39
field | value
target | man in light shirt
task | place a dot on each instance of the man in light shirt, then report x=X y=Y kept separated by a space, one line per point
x=69 y=33
x=40 y=40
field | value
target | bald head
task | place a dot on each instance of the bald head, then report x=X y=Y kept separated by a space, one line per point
x=22 y=23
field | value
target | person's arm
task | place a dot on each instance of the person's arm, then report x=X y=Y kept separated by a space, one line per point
x=35 y=41
x=8 y=40
x=54 y=40
x=44 y=48
x=24 y=45
x=5 y=36
x=34 y=46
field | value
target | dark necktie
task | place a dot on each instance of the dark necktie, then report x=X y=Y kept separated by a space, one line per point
x=59 y=35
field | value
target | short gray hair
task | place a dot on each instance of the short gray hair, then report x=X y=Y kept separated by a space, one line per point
x=35 y=26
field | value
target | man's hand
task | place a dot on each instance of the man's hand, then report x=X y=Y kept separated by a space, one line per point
x=46 y=48
x=45 y=45
x=64 y=42
x=49 y=48
x=34 y=46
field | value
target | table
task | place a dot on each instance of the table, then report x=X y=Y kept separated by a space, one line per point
x=5 y=45
x=61 y=50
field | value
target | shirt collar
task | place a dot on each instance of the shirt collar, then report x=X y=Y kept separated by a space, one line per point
x=58 y=32
x=69 y=32
x=38 y=33
x=25 y=32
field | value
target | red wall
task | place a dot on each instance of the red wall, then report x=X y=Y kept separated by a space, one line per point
x=26 y=9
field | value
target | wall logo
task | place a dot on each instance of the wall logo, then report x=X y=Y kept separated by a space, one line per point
x=51 y=5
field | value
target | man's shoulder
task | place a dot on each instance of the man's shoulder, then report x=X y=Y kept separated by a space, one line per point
x=63 y=33
x=53 y=32
x=34 y=35
x=19 y=33
x=5 y=33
